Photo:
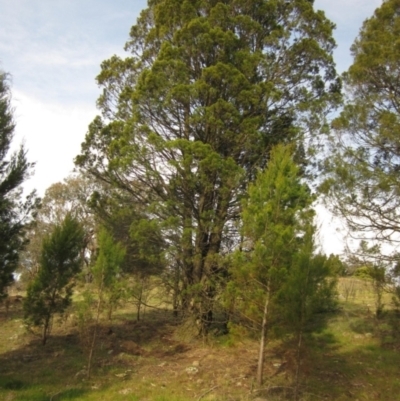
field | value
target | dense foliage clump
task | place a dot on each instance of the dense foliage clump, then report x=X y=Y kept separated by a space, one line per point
x=15 y=211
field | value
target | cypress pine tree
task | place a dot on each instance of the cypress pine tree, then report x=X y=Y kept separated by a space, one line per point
x=14 y=210
x=51 y=290
x=275 y=279
x=208 y=89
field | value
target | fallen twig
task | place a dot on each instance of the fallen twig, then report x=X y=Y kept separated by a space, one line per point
x=55 y=395
x=208 y=391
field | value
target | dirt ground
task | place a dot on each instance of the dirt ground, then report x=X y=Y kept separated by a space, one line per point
x=142 y=355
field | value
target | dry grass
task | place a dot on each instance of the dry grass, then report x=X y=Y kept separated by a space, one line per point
x=355 y=357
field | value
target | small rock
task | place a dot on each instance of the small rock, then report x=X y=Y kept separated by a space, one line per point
x=110 y=351
x=196 y=363
x=162 y=364
x=191 y=370
x=120 y=375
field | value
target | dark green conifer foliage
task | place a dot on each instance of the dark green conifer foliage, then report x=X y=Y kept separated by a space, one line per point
x=308 y=293
x=15 y=211
x=51 y=290
x=107 y=271
x=209 y=88
x=276 y=282
x=107 y=275
x=277 y=224
x=125 y=219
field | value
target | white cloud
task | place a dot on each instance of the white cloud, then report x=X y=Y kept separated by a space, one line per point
x=53 y=50
x=46 y=43
x=52 y=134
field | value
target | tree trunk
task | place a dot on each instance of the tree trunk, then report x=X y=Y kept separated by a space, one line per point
x=44 y=333
x=206 y=307
x=109 y=313
x=46 y=329
x=210 y=218
x=176 y=292
x=260 y=365
x=92 y=346
x=298 y=361
x=140 y=296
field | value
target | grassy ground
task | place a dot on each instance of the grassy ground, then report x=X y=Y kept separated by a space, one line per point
x=356 y=357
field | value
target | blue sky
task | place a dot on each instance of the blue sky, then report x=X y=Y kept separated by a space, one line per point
x=53 y=50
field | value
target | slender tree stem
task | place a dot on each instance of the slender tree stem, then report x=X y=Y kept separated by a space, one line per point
x=262 y=343
x=298 y=360
x=95 y=328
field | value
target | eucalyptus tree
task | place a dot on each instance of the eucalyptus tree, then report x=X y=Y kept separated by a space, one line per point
x=15 y=211
x=209 y=87
x=70 y=196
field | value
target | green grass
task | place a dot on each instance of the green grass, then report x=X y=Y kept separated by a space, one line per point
x=356 y=356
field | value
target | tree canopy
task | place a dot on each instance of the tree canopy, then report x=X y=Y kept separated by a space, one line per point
x=209 y=88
